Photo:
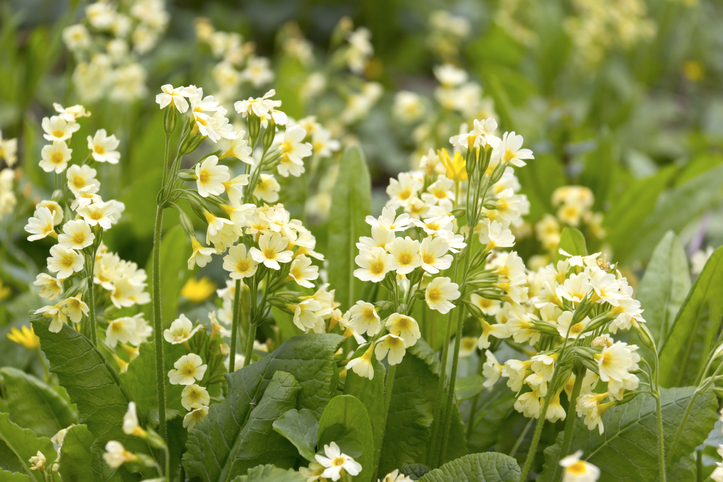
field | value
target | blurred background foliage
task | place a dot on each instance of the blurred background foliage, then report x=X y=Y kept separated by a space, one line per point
x=622 y=97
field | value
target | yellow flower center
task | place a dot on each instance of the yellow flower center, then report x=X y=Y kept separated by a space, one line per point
x=99 y=149
x=406 y=194
x=204 y=176
x=405 y=259
x=67 y=261
x=79 y=238
x=338 y=461
x=577 y=468
x=270 y=253
x=434 y=294
x=58 y=133
x=57 y=158
x=78 y=182
x=377 y=267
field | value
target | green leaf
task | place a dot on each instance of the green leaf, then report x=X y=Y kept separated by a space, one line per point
x=299 y=427
x=23 y=444
x=694 y=330
x=493 y=409
x=351 y=200
x=75 y=455
x=628 y=448
x=35 y=405
x=7 y=476
x=675 y=211
x=409 y=423
x=572 y=241
x=486 y=467
x=258 y=443
x=270 y=473
x=91 y=382
x=371 y=394
x=663 y=289
x=539 y=180
x=599 y=168
x=174 y=248
x=308 y=358
x=346 y=422
x=467 y=387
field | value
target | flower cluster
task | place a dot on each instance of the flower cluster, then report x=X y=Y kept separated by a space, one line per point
x=8 y=156
x=575 y=307
x=107 y=46
x=574 y=208
x=447 y=32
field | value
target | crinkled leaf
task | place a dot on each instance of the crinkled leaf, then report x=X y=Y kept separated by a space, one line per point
x=486 y=467
x=35 y=405
x=409 y=423
x=414 y=471
x=572 y=241
x=300 y=428
x=7 y=476
x=23 y=444
x=351 y=200
x=493 y=407
x=346 y=422
x=270 y=473
x=628 y=448
x=695 y=327
x=663 y=289
x=467 y=387
x=308 y=358
x=75 y=455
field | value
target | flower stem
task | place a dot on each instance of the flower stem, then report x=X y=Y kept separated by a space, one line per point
x=431 y=458
x=452 y=380
x=250 y=343
x=570 y=421
x=91 y=302
x=388 y=388
x=158 y=324
x=234 y=326
x=661 y=441
x=475 y=399
x=535 y=439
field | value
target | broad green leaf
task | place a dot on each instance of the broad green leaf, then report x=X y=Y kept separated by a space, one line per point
x=351 y=201
x=486 y=467
x=371 y=394
x=492 y=410
x=628 y=448
x=35 y=405
x=675 y=211
x=346 y=422
x=467 y=387
x=663 y=289
x=308 y=358
x=409 y=423
x=270 y=473
x=7 y=476
x=695 y=327
x=75 y=455
x=299 y=427
x=573 y=242
x=285 y=323
x=258 y=443
x=23 y=444
x=174 y=248
x=91 y=382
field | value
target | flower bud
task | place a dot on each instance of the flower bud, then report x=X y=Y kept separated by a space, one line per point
x=169 y=120
x=269 y=135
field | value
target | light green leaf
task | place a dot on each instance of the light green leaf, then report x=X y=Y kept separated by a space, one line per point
x=539 y=180
x=175 y=250
x=628 y=448
x=346 y=422
x=35 y=405
x=663 y=289
x=308 y=358
x=75 y=455
x=351 y=200
x=409 y=423
x=300 y=428
x=694 y=330
x=270 y=473
x=258 y=443
x=486 y=467
x=7 y=476
x=467 y=387
x=23 y=444
x=572 y=241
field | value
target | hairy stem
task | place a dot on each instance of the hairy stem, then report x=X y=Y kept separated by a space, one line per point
x=570 y=421
x=91 y=302
x=234 y=325
x=250 y=344
x=661 y=440
x=535 y=439
x=158 y=324
x=475 y=399
x=452 y=380
x=388 y=388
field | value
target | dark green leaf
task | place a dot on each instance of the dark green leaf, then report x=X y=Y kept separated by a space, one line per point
x=75 y=455
x=346 y=422
x=486 y=467
x=351 y=199
x=572 y=241
x=300 y=428
x=269 y=473
x=414 y=471
x=493 y=408
x=35 y=405
x=628 y=448
x=695 y=327
x=23 y=444
x=663 y=289
x=467 y=387
x=308 y=358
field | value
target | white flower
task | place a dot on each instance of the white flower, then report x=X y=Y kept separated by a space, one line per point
x=74 y=308
x=239 y=263
x=306 y=315
x=193 y=417
x=272 y=251
x=404 y=327
x=64 y=261
x=293 y=150
x=491 y=370
x=102 y=147
x=200 y=255
x=267 y=189
x=181 y=330
x=402 y=191
x=617 y=361
x=103 y=214
x=364 y=318
x=433 y=252
x=121 y=329
x=439 y=294
x=194 y=396
x=362 y=365
x=55 y=157
x=76 y=235
x=50 y=288
x=58 y=129
x=130 y=422
x=577 y=470
x=391 y=345
x=450 y=76
x=116 y=455
x=336 y=462
x=210 y=177
x=187 y=370
x=373 y=264
x=259 y=106
x=172 y=96
x=303 y=271
x=40 y=225
x=37 y=462
x=405 y=255
x=81 y=179
x=495 y=235
x=510 y=150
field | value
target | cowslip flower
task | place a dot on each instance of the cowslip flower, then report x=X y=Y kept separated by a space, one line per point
x=193 y=417
x=433 y=251
x=364 y=318
x=41 y=225
x=120 y=330
x=271 y=251
x=194 y=396
x=335 y=462
x=200 y=255
x=362 y=365
x=181 y=330
x=103 y=147
x=58 y=129
x=391 y=346
x=37 y=462
x=439 y=294
x=404 y=327
x=577 y=470
x=187 y=370
x=64 y=261
x=293 y=151
x=373 y=264
x=74 y=308
x=76 y=235
x=405 y=255
x=130 y=422
x=172 y=96
x=510 y=150
x=81 y=180
x=57 y=318
x=303 y=272
x=239 y=262
x=55 y=157
x=116 y=455
x=495 y=235
x=210 y=177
